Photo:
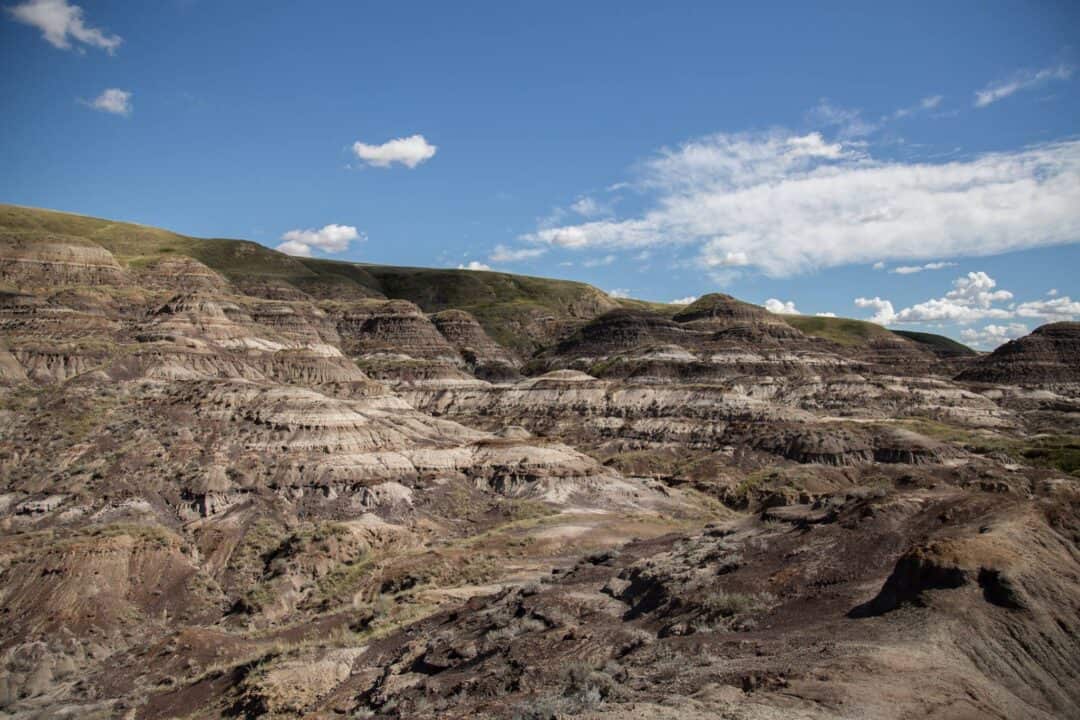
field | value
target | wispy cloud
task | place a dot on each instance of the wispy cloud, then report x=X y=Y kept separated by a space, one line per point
x=408 y=151
x=502 y=254
x=1021 y=80
x=927 y=103
x=329 y=238
x=684 y=300
x=112 y=100
x=62 y=25
x=912 y=269
x=586 y=206
x=599 y=261
x=849 y=122
x=789 y=204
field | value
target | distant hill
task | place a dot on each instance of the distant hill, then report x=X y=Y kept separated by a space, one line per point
x=518 y=311
x=938 y=344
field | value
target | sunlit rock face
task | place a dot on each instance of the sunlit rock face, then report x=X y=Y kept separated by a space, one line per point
x=236 y=483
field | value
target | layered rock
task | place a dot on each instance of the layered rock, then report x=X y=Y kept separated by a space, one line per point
x=47 y=260
x=1046 y=357
x=485 y=358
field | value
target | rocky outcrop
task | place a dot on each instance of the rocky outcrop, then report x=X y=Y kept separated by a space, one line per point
x=179 y=273
x=485 y=358
x=45 y=261
x=1046 y=357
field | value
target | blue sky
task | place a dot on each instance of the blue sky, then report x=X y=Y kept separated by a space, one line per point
x=777 y=152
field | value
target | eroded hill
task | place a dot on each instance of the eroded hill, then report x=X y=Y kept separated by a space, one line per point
x=236 y=483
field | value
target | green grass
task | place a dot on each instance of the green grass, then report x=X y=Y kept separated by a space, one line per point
x=1056 y=452
x=510 y=307
x=937 y=344
x=842 y=331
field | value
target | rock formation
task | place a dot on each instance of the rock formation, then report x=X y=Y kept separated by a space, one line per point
x=239 y=484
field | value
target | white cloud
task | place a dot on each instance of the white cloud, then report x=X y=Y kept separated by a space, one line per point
x=927 y=103
x=590 y=207
x=688 y=300
x=782 y=308
x=1052 y=292
x=61 y=23
x=793 y=204
x=911 y=269
x=714 y=256
x=825 y=314
x=331 y=238
x=970 y=300
x=884 y=309
x=976 y=289
x=879 y=265
x=293 y=247
x=113 y=100
x=974 y=297
x=1060 y=308
x=992 y=336
x=474 y=265
x=598 y=262
x=501 y=253
x=848 y=121
x=619 y=293
x=1021 y=80
x=408 y=151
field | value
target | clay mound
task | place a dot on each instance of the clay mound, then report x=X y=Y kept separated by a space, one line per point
x=486 y=358
x=48 y=260
x=397 y=327
x=181 y=273
x=717 y=309
x=1048 y=356
x=621 y=330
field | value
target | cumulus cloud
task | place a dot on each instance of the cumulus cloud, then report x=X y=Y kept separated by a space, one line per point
x=970 y=300
x=879 y=265
x=976 y=289
x=62 y=25
x=789 y=204
x=780 y=307
x=991 y=336
x=974 y=297
x=501 y=253
x=1060 y=308
x=330 y=238
x=474 y=265
x=1021 y=80
x=912 y=269
x=112 y=100
x=884 y=311
x=619 y=293
x=825 y=314
x=408 y=151
x=689 y=299
x=1052 y=292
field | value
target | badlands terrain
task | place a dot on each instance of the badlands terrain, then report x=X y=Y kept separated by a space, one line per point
x=235 y=483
